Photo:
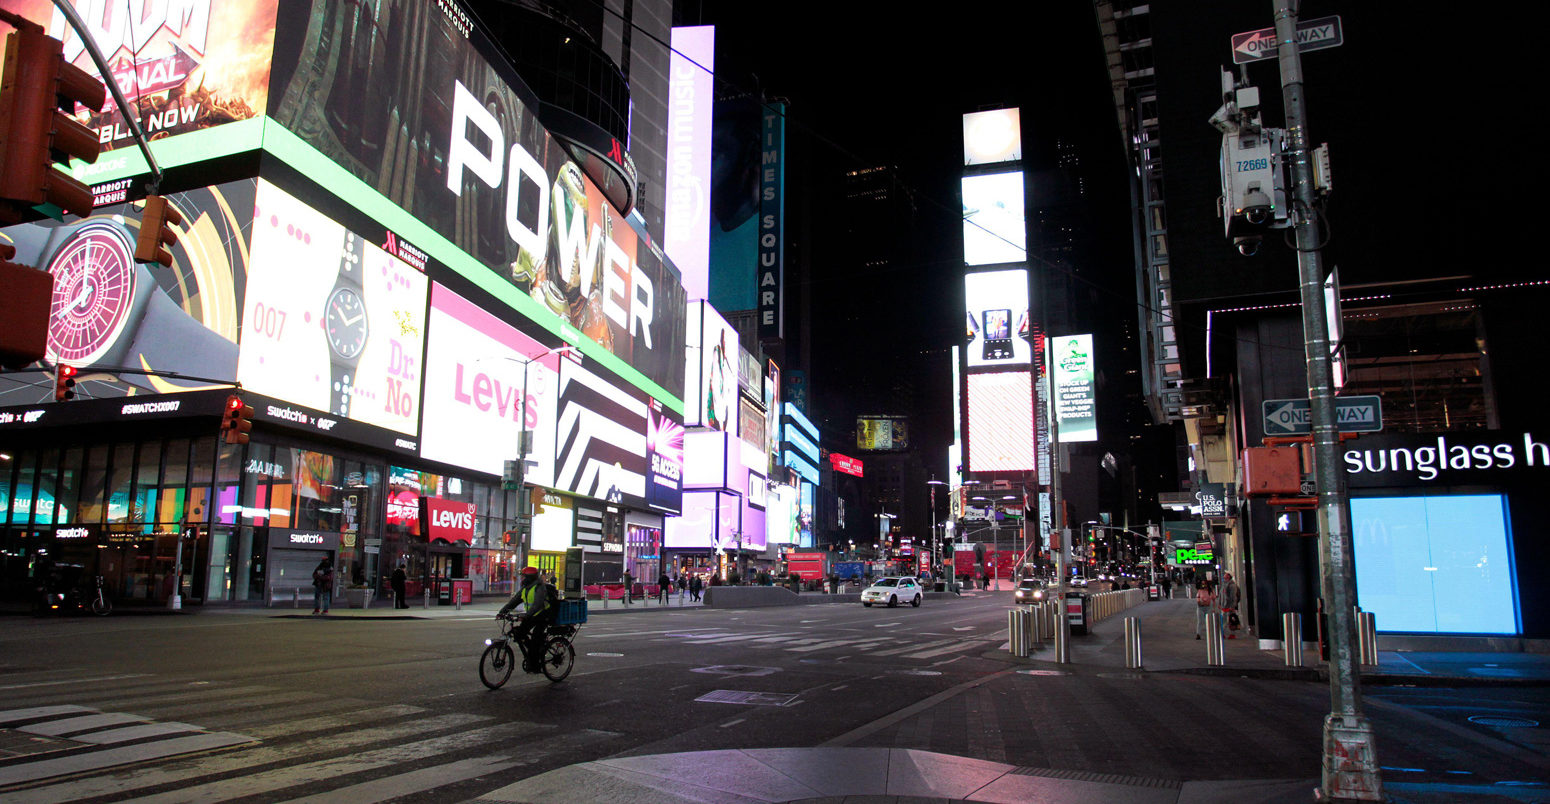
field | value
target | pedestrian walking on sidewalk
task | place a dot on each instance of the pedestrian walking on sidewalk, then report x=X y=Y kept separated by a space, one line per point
x=664 y=587
x=1231 y=597
x=1167 y=587
x=400 y=581
x=629 y=588
x=1205 y=605
x=695 y=585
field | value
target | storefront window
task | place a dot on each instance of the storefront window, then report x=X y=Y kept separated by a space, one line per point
x=120 y=484
x=21 y=503
x=147 y=484
x=94 y=486
x=200 y=474
x=315 y=490
x=173 y=494
x=46 y=509
x=7 y=464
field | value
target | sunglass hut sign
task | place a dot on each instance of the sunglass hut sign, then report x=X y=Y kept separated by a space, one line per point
x=1482 y=456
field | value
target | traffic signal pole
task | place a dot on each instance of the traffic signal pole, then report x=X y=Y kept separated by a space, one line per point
x=1350 y=767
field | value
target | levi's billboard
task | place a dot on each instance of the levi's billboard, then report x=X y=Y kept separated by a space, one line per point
x=447 y=520
x=402 y=97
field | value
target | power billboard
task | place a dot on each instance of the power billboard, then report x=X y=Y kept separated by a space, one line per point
x=402 y=97
x=997 y=318
x=994 y=229
x=992 y=137
x=882 y=433
x=131 y=330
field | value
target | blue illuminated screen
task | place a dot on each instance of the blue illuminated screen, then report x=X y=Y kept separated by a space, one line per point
x=1440 y=564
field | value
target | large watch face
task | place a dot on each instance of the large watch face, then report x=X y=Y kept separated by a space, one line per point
x=94 y=288
x=344 y=320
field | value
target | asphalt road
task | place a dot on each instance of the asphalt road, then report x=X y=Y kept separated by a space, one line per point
x=270 y=706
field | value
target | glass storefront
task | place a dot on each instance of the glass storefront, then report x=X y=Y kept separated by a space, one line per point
x=253 y=520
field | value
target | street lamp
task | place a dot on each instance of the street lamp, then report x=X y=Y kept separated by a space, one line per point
x=524 y=446
x=936 y=543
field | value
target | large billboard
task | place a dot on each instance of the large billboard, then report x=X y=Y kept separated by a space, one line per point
x=994 y=230
x=183 y=65
x=992 y=137
x=1000 y=422
x=882 y=433
x=997 y=318
x=710 y=393
x=131 y=330
x=686 y=224
x=331 y=321
x=1076 y=389
x=477 y=373
x=401 y=96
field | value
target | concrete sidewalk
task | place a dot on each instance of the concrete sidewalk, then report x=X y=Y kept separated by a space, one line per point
x=1168 y=644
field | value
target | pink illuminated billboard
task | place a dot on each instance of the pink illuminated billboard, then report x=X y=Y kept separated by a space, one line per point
x=1001 y=422
x=691 y=83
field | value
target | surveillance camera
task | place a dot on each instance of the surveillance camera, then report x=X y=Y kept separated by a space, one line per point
x=1248 y=246
x=1256 y=208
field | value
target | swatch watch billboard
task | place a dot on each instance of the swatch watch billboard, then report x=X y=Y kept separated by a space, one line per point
x=402 y=97
x=131 y=330
x=331 y=321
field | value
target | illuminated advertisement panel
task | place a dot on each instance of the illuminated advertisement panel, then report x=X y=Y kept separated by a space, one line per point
x=686 y=222
x=110 y=312
x=780 y=516
x=751 y=423
x=665 y=444
x=997 y=318
x=331 y=321
x=993 y=226
x=1001 y=422
x=709 y=519
x=992 y=137
x=601 y=438
x=401 y=97
x=1076 y=390
x=554 y=523
x=848 y=465
x=183 y=65
x=882 y=433
x=772 y=404
x=476 y=372
x=710 y=395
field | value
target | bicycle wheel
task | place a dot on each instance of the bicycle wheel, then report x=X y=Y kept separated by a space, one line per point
x=495 y=665
x=559 y=658
x=101 y=606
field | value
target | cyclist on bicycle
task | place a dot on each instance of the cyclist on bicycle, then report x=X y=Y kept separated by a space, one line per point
x=538 y=611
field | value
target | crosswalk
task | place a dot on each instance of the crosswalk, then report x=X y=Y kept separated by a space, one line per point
x=148 y=738
x=914 y=646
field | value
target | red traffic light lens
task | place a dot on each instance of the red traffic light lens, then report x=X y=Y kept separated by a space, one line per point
x=67 y=372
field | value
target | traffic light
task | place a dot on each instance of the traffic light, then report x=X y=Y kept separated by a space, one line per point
x=24 y=307
x=156 y=231
x=38 y=93
x=64 y=382
x=237 y=421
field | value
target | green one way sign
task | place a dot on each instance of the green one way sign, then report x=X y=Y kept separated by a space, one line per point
x=1354 y=414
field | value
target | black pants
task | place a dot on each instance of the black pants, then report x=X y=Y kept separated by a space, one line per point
x=530 y=632
x=398 y=596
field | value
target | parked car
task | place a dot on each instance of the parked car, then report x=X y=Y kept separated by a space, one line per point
x=1030 y=590
x=892 y=591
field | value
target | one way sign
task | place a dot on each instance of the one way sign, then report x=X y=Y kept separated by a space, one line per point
x=1353 y=414
x=1318 y=34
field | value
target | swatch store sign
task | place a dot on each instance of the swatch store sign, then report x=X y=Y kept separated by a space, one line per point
x=447 y=520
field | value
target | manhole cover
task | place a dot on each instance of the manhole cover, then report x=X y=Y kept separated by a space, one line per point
x=1497 y=721
x=1043 y=672
x=747 y=698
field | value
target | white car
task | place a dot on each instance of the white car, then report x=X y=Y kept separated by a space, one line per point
x=892 y=591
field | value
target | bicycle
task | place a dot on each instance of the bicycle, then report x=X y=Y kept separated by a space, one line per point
x=557 y=659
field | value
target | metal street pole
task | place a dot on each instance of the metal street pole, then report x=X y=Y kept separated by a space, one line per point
x=1350 y=768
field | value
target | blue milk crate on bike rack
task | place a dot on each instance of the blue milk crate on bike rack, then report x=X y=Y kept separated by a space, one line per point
x=573 y=611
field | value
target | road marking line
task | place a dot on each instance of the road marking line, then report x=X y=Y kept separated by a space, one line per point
x=18 y=715
x=733 y=722
x=418 y=781
x=885 y=625
x=55 y=728
x=96 y=760
x=87 y=680
x=296 y=728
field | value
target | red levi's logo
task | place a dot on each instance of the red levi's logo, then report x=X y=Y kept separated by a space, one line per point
x=450 y=520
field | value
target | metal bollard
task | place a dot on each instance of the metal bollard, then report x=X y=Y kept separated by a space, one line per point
x=296 y=598
x=1051 y=611
x=1132 y=643
x=1367 y=637
x=1062 y=642
x=1216 y=648
x=427 y=599
x=1015 y=637
x=1035 y=627
x=1291 y=638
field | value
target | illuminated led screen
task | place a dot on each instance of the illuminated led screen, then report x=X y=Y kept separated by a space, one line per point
x=996 y=318
x=993 y=136
x=1076 y=388
x=993 y=226
x=1436 y=564
x=1001 y=422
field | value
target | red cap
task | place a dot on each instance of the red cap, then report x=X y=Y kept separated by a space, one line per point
x=529 y=570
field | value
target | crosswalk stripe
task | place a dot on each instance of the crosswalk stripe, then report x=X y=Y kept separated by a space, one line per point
x=180 y=771
x=293 y=728
x=192 y=710
x=32 y=713
x=957 y=645
x=923 y=646
x=418 y=781
x=861 y=644
x=77 y=762
x=83 y=680
x=291 y=776
x=56 y=728
x=140 y=732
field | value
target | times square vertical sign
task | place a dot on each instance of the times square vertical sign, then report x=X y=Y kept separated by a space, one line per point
x=772 y=177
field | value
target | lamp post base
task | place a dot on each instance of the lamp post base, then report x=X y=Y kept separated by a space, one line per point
x=1350 y=761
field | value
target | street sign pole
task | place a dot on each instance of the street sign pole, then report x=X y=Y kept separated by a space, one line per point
x=1350 y=767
